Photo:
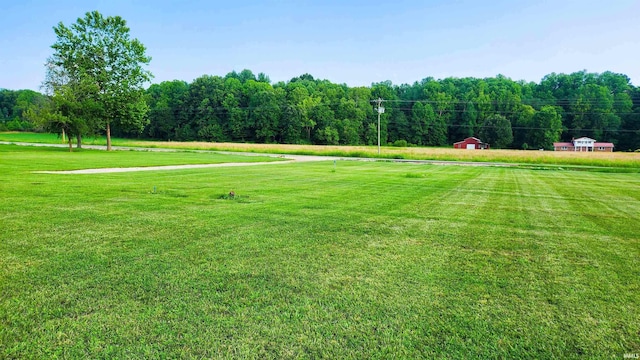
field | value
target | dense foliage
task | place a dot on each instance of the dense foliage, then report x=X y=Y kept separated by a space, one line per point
x=508 y=114
x=243 y=107
x=96 y=78
x=14 y=107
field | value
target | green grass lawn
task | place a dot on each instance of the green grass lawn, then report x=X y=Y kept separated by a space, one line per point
x=616 y=161
x=51 y=159
x=364 y=260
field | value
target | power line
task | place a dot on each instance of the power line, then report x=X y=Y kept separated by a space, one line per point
x=221 y=109
x=514 y=101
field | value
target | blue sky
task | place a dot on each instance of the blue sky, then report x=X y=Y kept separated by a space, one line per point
x=353 y=42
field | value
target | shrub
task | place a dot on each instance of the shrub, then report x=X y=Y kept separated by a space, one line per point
x=14 y=125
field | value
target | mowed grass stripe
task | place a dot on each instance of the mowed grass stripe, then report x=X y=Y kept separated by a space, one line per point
x=602 y=252
x=371 y=260
x=484 y=256
x=608 y=206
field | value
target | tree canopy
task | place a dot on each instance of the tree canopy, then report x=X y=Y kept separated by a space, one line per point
x=510 y=114
x=97 y=72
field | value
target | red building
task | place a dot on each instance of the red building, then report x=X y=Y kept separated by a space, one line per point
x=471 y=143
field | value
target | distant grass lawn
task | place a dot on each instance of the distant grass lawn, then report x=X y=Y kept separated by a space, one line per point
x=625 y=160
x=364 y=260
x=61 y=159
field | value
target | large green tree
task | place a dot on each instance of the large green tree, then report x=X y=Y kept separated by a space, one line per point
x=546 y=129
x=167 y=102
x=497 y=131
x=72 y=109
x=99 y=53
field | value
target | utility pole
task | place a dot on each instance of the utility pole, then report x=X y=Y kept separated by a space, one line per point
x=380 y=111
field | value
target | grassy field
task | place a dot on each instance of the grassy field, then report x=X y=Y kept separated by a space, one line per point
x=52 y=159
x=616 y=159
x=361 y=260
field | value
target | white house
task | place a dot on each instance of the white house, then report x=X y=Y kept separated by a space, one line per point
x=583 y=144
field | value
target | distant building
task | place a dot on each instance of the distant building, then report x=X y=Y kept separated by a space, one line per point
x=471 y=143
x=583 y=144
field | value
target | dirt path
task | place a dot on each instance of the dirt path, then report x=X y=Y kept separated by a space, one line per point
x=290 y=158
x=157 y=168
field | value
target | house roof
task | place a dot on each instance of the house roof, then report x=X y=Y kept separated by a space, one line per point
x=584 y=138
x=469 y=138
x=599 y=144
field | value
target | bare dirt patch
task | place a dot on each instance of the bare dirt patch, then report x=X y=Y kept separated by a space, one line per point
x=153 y=168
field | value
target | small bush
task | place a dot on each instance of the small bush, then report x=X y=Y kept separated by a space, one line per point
x=14 y=125
x=400 y=143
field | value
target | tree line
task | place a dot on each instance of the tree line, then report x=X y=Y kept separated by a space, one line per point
x=14 y=106
x=243 y=107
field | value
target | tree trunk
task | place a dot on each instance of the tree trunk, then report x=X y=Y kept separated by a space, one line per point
x=64 y=138
x=70 y=146
x=108 y=137
x=79 y=146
